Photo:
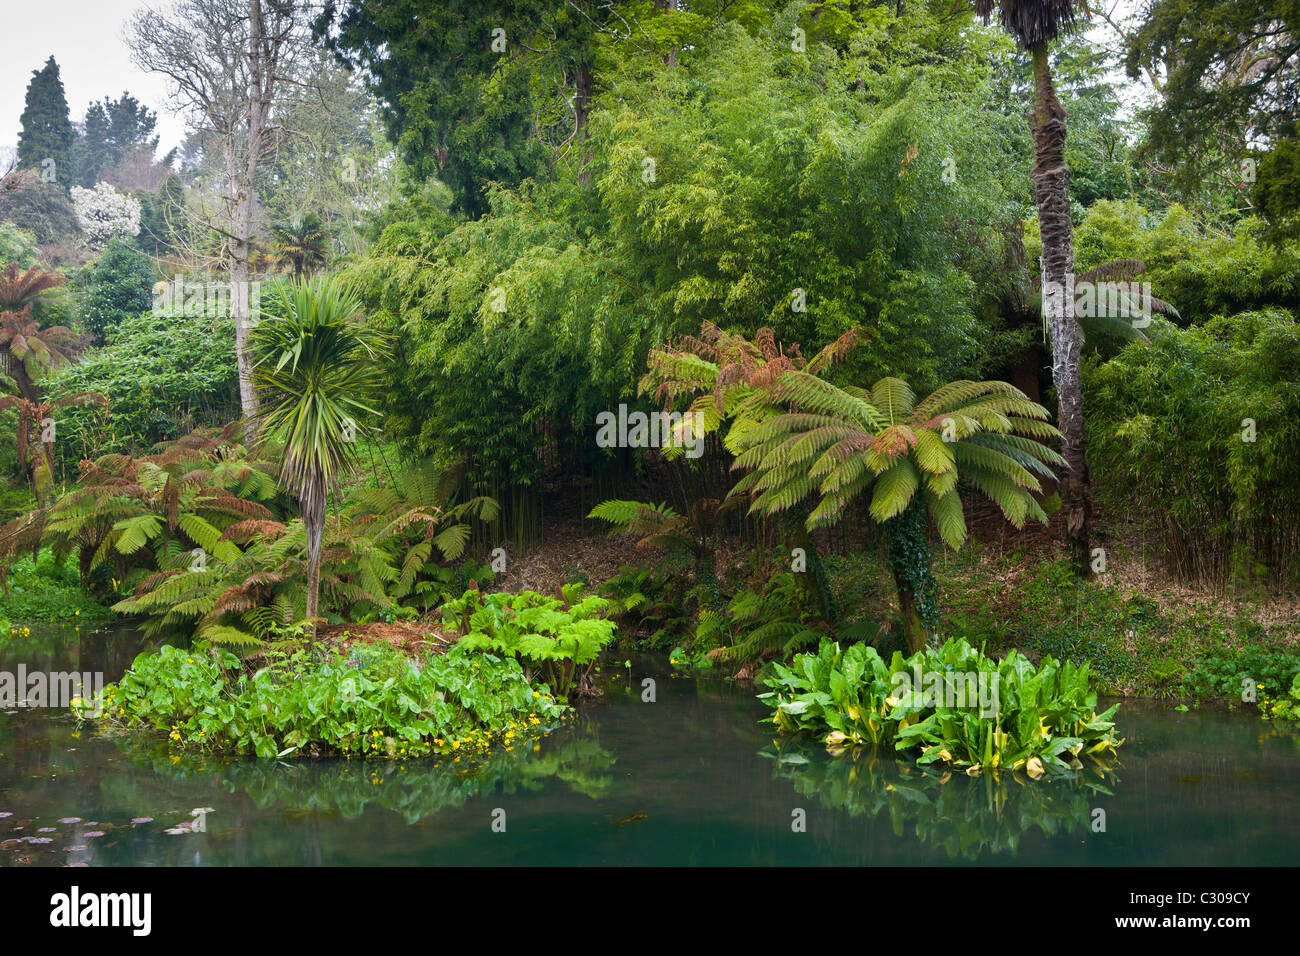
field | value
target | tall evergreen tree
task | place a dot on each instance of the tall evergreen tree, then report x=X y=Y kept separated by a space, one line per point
x=112 y=130
x=92 y=150
x=47 y=132
x=129 y=124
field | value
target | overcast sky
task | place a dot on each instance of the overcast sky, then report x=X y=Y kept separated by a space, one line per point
x=86 y=39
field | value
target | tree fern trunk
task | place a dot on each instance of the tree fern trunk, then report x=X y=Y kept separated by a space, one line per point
x=1052 y=194
x=914 y=631
x=909 y=562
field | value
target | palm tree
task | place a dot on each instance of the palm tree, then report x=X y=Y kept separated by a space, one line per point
x=317 y=369
x=300 y=243
x=1034 y=24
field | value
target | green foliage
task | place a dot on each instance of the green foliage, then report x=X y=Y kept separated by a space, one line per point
x=317 y=367
x=416 y=515
x=1205 y=272
x=1198 y=435
x=909 y=560
x=17 y=245
x=42 y=208
x=1277 y=189
x=1046 y=717
x=650 y=603
x=300 y=244
x=112 y=131
x=164 y=375
x=556 y=640
x=802 y=438
x=1225 y=673
x=1284 y=707
x=47 y=589
x=774 y=171
x=316 y=700
x=1224 y=67
x=775 y=616
x=454 y=106
x=118 y=285
x=134 y=522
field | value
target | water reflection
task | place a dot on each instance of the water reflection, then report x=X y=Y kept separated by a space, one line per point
x=676 y=781
x=965 y=817
x=414 y=789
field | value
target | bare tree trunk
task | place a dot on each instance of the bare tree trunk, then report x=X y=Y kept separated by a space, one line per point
x=227 y=59
x=239 y=307
x=1052 y=194
x=259 y=96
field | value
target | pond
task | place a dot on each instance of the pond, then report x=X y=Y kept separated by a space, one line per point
x=691 y=778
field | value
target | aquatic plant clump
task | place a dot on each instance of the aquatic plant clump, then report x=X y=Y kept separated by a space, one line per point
x=951 y=704
x=375 y=701
x=556 y=639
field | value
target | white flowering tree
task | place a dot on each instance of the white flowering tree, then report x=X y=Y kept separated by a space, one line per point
x=103 y=212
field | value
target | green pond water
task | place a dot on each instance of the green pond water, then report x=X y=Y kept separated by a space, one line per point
x=692 y=778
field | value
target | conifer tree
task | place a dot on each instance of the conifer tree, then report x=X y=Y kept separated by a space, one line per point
x=47 y=132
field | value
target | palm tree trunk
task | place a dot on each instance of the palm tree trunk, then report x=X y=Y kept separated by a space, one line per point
x=312 y=504
x=1052 y=194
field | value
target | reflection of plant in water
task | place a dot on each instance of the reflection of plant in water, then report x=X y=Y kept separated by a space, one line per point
x=413 y=788
x=964 y=816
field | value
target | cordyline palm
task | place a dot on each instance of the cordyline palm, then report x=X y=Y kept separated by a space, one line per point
x=1034 y=24
x=317 y=369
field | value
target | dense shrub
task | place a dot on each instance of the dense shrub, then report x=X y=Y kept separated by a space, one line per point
x=1203 y=273
x=764 y=189
x=1197 y=436
x=555 y=640
x=117 y=286
x=48 y=588
x=164 y=375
